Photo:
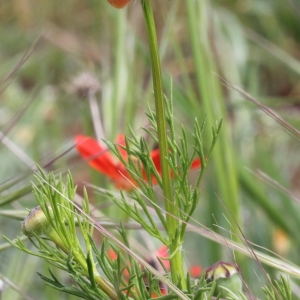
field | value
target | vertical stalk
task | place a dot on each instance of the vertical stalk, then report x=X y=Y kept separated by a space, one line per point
x=213 y=103
x=118 y=76
x=173 y=224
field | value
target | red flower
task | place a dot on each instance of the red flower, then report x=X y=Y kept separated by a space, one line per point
x=100 y=159
x=118 y=3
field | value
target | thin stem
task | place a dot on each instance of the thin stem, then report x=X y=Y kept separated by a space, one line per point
x=171 y=209
x=94 y=107
x=78 y=258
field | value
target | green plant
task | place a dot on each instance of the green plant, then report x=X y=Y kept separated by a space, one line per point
x=246 y=138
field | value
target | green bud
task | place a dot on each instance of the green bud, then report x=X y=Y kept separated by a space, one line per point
x=36 y=222
x=227 y=277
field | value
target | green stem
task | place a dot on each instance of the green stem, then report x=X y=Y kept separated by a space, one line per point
x=78 y=258
x=213 y=103
x=173 y=223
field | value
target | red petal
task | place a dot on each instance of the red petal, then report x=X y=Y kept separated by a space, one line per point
x=196 y=163
x=112 y=254
x=156 y=159
x=98 y=157
x=118 y=3
x=125 y=182
x=195 y=271
x=162 y=252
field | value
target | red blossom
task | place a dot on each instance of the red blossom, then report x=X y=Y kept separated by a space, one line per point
x=118 y=3
x=103 y=161
x=195 y=271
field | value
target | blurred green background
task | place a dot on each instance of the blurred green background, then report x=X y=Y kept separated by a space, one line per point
x=254 y=170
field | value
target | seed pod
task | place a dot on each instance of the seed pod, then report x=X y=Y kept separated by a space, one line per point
x=84 y=84
x=118 y=3
x=227 y=277
x=36 y=222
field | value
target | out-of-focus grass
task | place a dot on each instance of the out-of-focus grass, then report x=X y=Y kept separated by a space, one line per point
x=76 y=36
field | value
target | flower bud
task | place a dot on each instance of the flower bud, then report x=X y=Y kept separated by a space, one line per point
x=227 y=277
x=36 y=222
x=118 y=3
